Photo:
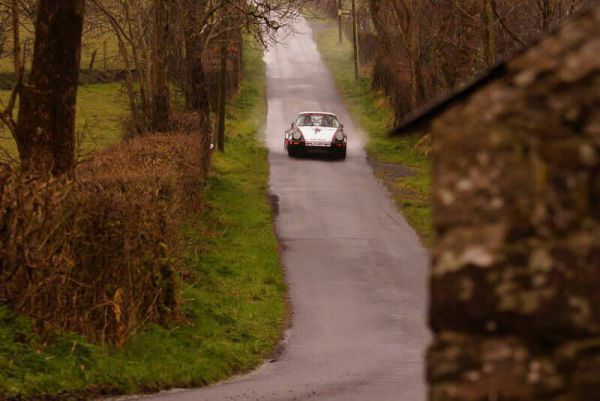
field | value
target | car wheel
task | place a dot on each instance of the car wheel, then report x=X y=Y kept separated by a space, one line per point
x=340 y=154
x=292 y=152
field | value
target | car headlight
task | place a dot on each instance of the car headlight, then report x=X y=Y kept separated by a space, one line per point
x=297 y=135
x=339 y=136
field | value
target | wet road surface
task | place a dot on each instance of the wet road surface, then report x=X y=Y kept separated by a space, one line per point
x=356 y=270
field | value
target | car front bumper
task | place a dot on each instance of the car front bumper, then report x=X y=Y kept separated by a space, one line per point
x=316 y=147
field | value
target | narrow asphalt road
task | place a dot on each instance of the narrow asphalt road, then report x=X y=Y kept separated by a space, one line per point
x=356 y=270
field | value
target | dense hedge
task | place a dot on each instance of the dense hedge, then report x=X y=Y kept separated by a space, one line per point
x=97 y=254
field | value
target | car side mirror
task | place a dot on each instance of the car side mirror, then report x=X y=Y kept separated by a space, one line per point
x=292 y=125
x=342 y=126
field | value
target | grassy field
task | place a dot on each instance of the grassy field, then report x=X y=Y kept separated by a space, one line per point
x=99 y=44
x=233 y=298
x=101 y=113
x=397 y=162
x=104 y=45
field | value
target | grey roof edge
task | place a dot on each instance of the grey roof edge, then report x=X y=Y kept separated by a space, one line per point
x=420 y=119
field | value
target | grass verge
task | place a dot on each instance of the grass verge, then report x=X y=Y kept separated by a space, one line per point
x=397 y=162
x=233 y=303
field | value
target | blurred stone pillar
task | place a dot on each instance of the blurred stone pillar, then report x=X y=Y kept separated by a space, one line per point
x=515 y=305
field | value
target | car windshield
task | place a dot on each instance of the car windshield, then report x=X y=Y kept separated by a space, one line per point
x=317 y=120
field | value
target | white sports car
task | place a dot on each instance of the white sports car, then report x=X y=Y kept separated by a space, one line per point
x=316 y=132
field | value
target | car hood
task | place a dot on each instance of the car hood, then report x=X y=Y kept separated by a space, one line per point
x=317 y=133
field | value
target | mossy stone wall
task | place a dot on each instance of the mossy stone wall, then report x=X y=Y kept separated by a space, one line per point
x=515 y=304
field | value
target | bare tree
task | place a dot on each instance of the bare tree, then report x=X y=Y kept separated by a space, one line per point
x=166 y=42
x=424 y=48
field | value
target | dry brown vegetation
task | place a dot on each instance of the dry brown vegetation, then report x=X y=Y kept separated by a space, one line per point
x=419 y=50
x=98 y=254
x=95 y=251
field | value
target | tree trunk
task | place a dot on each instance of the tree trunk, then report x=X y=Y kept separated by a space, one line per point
x=16 y=41
x=199 y=99
x=45 y=131
x=489 y=29
x=138 y=125
x=197 y=91
x=415 y=55
x=160 y=93
x=546 y=13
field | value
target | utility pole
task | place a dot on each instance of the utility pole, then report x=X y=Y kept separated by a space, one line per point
x=340 y=16
x=222 y=94
x=355 y=38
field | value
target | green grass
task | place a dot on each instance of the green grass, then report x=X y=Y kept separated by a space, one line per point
x=411 y=191
x=101 y=112
x=233 y=303
x=91 y=41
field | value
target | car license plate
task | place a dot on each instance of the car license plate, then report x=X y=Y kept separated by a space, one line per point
x=319 y=144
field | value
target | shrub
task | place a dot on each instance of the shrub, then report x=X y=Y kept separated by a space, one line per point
x=98 y=254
